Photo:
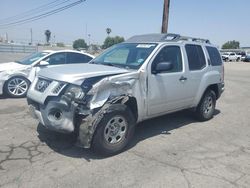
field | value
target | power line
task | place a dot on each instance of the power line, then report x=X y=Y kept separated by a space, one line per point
x=34 y=18
x=34 y=11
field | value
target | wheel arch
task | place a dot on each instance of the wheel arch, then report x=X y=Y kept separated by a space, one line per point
x=14 y=76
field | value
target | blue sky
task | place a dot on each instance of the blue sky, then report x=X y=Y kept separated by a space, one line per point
x=217 y=20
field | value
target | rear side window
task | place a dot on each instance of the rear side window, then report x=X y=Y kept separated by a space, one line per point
x=196 y=58
x=77 y=58
x=214 y=56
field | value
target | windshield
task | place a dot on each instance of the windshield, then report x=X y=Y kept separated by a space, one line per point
x=32 y=58
x=126 y=55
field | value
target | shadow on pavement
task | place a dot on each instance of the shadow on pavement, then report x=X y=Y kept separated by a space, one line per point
x=65 y=144
x=3 y=97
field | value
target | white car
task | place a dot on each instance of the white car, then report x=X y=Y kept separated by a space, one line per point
x=230 y=56
x=16 y=77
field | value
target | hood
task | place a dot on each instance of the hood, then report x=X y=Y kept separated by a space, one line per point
x=77 y=73
x=11 y=66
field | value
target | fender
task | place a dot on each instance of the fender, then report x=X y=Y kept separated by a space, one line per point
x=209 y=78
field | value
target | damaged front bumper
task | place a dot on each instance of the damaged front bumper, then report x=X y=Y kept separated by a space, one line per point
x=56 y=115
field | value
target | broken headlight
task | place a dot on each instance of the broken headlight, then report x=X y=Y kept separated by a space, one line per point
x=75 y=92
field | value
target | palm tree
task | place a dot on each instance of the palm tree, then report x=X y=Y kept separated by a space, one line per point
x=47 y=35
x=108 y=30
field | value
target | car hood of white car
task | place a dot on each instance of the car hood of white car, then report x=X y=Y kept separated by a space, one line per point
x=11 y=66
x=77 y=73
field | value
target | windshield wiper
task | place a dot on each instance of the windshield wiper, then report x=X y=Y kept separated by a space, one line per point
x=109 y=64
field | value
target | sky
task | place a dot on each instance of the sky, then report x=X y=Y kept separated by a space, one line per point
x=217 y=20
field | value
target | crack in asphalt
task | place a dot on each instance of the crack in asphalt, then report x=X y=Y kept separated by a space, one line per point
x=30 y=146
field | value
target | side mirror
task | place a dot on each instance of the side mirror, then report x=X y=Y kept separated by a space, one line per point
x=162 y=67
x=43 y=63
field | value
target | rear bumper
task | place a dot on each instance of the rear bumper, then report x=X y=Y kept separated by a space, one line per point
x=221 y=89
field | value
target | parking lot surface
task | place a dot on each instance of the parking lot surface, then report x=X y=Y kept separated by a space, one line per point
x=171 y=151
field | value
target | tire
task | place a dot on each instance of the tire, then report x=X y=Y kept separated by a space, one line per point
x=17 y=87
x=114 y=131
x=205 y=109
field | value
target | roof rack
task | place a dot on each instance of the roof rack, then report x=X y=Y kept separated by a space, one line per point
x=164 y=37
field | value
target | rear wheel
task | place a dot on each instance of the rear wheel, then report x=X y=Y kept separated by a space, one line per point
x=206 y=107
x=17 y=87
x=114 y=131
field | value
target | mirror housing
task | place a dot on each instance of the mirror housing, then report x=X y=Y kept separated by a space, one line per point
x=43 y=63
x=162 y=67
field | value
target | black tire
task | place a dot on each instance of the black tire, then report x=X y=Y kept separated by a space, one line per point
x=205 y=109
x=100 y=143
x=22 y=92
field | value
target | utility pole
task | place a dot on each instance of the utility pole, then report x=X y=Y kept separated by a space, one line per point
x=31 y=36
x=164 y=28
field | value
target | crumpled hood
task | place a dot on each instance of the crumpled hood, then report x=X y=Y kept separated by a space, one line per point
x=77 y=73
x=11 y=66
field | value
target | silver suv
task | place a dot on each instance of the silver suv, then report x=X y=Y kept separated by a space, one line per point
x=145 y=77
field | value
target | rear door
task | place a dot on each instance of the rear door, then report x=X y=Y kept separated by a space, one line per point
x=197 y=67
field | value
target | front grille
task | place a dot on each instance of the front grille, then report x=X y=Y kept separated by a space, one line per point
x=42 y=84
x=58 y=88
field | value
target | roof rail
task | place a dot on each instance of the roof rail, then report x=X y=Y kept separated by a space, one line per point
x=177 y=37
x=164 y=37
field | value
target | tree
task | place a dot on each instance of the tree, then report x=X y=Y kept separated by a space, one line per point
x=110 y=41
x=108 y=30
x=231 y=45
x=79 y=43
x=47 y=35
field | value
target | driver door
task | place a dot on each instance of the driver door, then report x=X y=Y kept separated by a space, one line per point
x=167 y=90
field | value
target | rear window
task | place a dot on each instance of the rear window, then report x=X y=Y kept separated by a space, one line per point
x=196 y=58
x=214 y=56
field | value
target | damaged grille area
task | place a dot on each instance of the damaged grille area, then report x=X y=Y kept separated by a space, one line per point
x=42 y=84
x=58 y=88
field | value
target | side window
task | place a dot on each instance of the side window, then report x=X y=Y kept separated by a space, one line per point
x=77 y=58
x=214 y=56
x=56 y=59
x=171 y=54
x=196 y=58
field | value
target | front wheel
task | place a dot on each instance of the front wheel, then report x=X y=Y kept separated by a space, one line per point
x=206 y=107
x=17 y=87
x=114 y=131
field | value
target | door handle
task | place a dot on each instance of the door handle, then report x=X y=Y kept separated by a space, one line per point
x=182 y=79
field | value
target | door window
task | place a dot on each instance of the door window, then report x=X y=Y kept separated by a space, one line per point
x=77 y=58
x=171 y=54
x=196 y=57
x=56 y=59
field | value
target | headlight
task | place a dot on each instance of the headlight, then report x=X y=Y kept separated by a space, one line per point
x=75 y=92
